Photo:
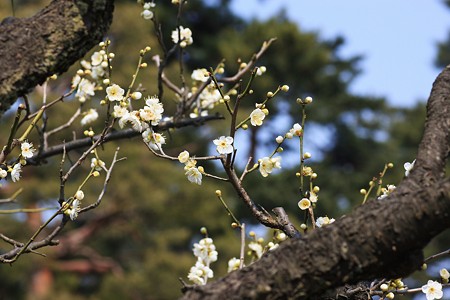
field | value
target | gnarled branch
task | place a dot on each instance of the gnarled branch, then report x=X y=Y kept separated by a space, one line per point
x=378 y=239
x=32 y=49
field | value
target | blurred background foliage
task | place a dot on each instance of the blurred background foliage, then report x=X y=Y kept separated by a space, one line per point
x=137 y=244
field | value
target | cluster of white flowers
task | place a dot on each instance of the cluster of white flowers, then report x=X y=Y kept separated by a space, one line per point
x=257 y=117
x=322 y=221
x=224 y=145
x=147 y=14
x=267 y=164
x=206 y=253
x=182 y=35
x=26 y=151
x=140 y=120
x=91 y=73
x=73 y=209
x=200 y=75
x=153 y=139
x=89 y=117
x=193 y=173
x=386 y=191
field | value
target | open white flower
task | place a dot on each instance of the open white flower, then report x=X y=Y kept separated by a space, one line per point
x=224 y=144
x=132 y=119
x=119 y=111
x=304 y=203
x=152 y=111
x=200 y=75
x=257 y=116
x=408 y=167
x=90 y=116
x=15 y=172
x=85 y=90
x=205 y=250
x=153 y=139
x=432 y=290
x=266 y=165
x=233 y=264
x=183 y=157
x=321 y=221
x=74 y=210
x=256 y=249
x=27 y=149
x=194 y=175
x=96 y=58
x=115 y=92
x=185 y=34
x=200 y=273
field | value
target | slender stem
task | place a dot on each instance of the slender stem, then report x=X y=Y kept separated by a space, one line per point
x=242 y=253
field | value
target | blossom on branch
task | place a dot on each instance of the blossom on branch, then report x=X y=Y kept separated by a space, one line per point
x=224 y=144
x=115 y=92
x=432 y=290
x=267 y=164
x=90 y=116
x=27 y=149
x=182 y=35
x=257 y=116
x=194 y=175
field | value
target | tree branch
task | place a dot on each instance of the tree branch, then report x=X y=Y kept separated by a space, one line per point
x=378 y=239
x=48 y=43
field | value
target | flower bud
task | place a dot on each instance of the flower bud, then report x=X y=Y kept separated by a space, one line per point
x=269 y=94
x=285 y=88
x=218 y=193
x=307 y=155
x=308 y=100
x=279 y=139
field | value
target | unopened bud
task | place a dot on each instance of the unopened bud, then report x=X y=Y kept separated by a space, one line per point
x=269 y=94
x=308 y=100
x=285 y=88
x=218 y=193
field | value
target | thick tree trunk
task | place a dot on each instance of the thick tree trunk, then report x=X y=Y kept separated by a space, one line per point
x=32 y=49
x=379 y=239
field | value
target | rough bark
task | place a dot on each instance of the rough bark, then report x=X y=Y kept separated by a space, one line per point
x=378 y=239
x=32 y=49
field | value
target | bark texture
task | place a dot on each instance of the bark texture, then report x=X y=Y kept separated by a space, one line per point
x=32 y=49
x=379 y=239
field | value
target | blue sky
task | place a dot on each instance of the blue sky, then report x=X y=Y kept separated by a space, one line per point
x=396 y=37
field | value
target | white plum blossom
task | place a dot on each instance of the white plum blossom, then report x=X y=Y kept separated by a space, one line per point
x=267 y=164
x=224 y=144
x=73 y=211
x=152 y=111
x=432 y=290
x=233 y=264
x=97 y=164
x=185 y=34
x=304 y=204
x=386 y=191
x=147 y=14
x=322 y=221
x=119 y=111
x=132 y=119
x=115 y=92
x=256 y=249
x=96 y=59
x=296 y=130
x=200 y=273
x=153 y=139
x=90 y=116
x=200 y=75
x=15 y=172
x=257 y=116
x=183 y=157
x=209 y=97
x=75 y=81
x=408 y=167
x=205 y=250
x=85 y=90
x=27 y=149
x=313 y=197
x=98 y=72
x=194 y=175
